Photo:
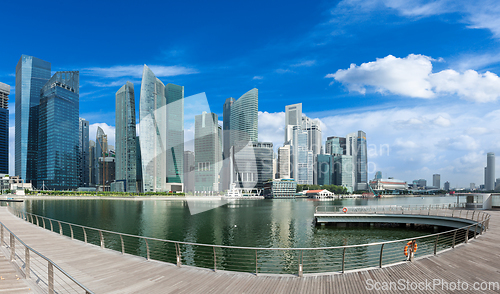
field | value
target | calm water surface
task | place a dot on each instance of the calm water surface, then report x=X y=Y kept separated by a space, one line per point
x=281 y=223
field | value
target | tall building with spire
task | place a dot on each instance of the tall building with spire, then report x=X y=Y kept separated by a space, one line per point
x=31 y=75
x=58 y=137
x=4 y=128
x=125 y=140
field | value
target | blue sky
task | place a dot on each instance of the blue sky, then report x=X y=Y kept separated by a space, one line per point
x=420 y=77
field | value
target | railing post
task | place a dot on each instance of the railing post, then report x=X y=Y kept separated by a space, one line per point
x=71 y=229
x=380 y=261
x=51 y=226
x=300 y=263
x=256 y=263
x=452 y=213
x=43 y=220
x=435 y=244
x=147 y=249
x=215 y=261
x=123 y=246
x=178 y=253
x=51 y=278
x=467 y=215
x=454 y=237
x=102 y=239
x=84 y=235
x=475 y=232
x=12 y=247
x=343 y=261
x=467 y=235
x=1 y=235
x=60 y=228
x=460 y=214
x=472 y=218
x=27 y=262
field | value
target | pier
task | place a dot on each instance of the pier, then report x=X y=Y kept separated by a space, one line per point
x=101 y=270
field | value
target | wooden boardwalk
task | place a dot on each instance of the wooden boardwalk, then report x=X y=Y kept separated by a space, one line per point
x=107 y=271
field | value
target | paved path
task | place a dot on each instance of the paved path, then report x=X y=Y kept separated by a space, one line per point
x=107 y=271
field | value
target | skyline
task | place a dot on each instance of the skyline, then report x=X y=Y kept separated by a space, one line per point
x=435 y=123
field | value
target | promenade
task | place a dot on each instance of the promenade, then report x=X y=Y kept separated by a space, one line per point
x=107 y=271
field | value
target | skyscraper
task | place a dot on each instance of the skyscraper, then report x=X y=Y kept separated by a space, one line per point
x=284 y=162
x=244 y=120
x=335 y=146
x=92 y=166
x=302 y=157
x=207 y=152
x=226 y=126
x=436 y=181
x=325 y=169
x=152 y=130
x=174 y=96
x=58 y=136
x=313 y=129
x=31 y=75
x=378 y=175
x=101 y=151
x=489 y=181
x=4 y=128
x=83 y=153
x=189 y=171
x=125 y=134
x=252 y=165
x=293 y=117
x=447 y=186
x=361 y=162
x=343 y=171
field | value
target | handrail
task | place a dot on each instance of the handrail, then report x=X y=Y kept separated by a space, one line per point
x=27 y=268
x=473 y=228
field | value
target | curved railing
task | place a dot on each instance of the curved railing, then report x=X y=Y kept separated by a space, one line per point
x=44 y=272
x=272 y=260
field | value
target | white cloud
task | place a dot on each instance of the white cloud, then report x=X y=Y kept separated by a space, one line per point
x=304 y=63
x=271 y=128
x=258 y=77
x=412 y=76
x=441 y=121
x=479 y=14
x=407 y=76
x=136 y=71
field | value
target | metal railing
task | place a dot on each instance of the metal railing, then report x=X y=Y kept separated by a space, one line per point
x=409 y=209
x=272 y=260
x=35 y=266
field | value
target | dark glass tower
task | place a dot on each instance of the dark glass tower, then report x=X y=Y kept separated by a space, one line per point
x=58 y=132
x=4 y=128
x=31 y=75
x=174 y=96
x=125 y=134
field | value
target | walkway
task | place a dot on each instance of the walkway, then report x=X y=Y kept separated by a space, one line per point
x=107 y=271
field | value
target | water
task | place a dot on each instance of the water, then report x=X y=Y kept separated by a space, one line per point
x=281 y=223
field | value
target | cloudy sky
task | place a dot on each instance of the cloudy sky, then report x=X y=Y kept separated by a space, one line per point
x=419 y=77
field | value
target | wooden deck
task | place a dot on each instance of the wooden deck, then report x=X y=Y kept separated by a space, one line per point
x=107 y=271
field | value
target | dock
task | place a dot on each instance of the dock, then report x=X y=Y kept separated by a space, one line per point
x=108 y=271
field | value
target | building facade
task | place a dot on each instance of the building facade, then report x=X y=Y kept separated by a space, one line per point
x=252 y=165
x=302 y=157
x=280 y=188
x=58 y=136
x=244 y=119
x=436 y=181
x=361 y=162
x=174 y=97
x=125 y=139
x=293 y=117
x=284 y=162
x=31 y=75
x=83 y=153
x=343 y=171
x=189 y=171
x=226 y=125
x=325 y=169
x=4 y=128
x=207 y=153
x=489 y=181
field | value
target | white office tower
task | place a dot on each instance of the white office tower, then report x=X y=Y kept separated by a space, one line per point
x=351 y=150
x=302 y=158
x=284 y=162
x=312 y=126
x=489 y=181
x=293 y=117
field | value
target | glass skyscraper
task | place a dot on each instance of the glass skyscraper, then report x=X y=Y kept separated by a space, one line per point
x=58 y=132
x=226 y=125
x=31 y=75
x=4 y=128
x=174 y=96
x=207 y=152
x=244 y=122
x=83 y=151
x=125 y=139
x=361 y=162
